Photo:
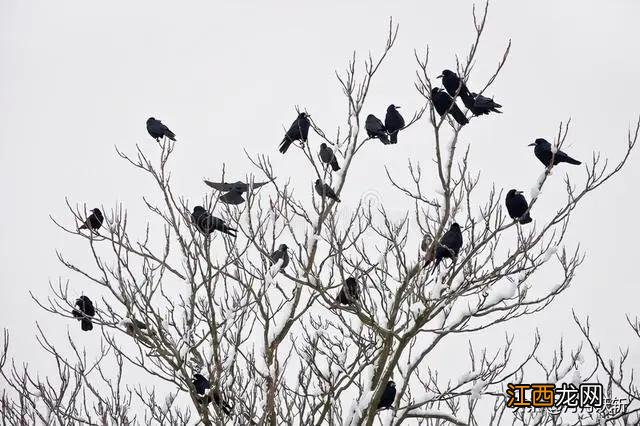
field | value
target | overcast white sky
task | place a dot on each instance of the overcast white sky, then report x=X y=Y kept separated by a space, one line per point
x=78 y=77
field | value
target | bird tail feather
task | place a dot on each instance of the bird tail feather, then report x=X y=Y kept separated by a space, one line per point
x=573 y=161
x=459 y=116
x=284 y=145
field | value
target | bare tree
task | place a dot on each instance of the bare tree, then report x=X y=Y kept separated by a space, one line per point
x=274 y=342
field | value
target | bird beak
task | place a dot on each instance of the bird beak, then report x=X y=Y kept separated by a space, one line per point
x=440 y=76
x=532 y=144
x=519 y=192
x=398 y=107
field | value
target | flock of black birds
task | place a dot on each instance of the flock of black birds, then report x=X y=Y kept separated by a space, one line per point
x=448 y=247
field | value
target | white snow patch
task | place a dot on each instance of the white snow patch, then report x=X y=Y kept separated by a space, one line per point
x=467 y=377
x=554 y=149
x=550 y=252
x=535 y=192
x=313 y=239
x=476 y=390
x=457 y=281
x=499 y=292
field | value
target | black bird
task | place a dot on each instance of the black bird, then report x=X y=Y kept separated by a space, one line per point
x=350 y=292
x=281 y=253
x=394 y=122
x=517 y=206
x=94 y=221
x=84 y=312
x=133 y=325
x=483 y=105
x=329 y=157
x=299 y=130
x=206 y=223
x=224 y=405
x=157 y=130
x=375 y=129
x=325 y=190
x=233 y=191
x=200 y=383
x=388 y=396
x=449 y=246
x=442 y=101
x=452 y=83
x=544 y=154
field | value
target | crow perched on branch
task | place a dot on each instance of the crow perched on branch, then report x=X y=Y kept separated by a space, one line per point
x=350 y=292
x=299 y=130
x=483 y=105
x=329 y=157
x=388 y=396
x=206 y=223
x=325 y=190
x=544 y=153
x=517 y=206
x=84 y=312
x=157 y=130
x=442 y=102
x=280 y=253
x=94 y=221
x=449 y=246
x=393 y=122
x=375 y=129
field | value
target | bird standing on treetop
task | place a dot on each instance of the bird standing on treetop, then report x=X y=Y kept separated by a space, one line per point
x=393 y=122
x=388 y=396
x=157 y=130
x=281 y=253
x=299 y=130
x=544 y=153
x=234 y=190
x=350 y=292
x=375 y=129
x=94 y=221
x=325 y=190
x=442 y=102
x=517 y=206
x=449 y=246
x=483 y=105
x=329 y=157
x=207 y=223
x=84 y=312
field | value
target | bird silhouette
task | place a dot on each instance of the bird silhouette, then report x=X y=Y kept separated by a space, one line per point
x=325 y=190
x=233 y=191
x=157 y=130
x=84 y=311
x=544 y=153
x=375 y=129
x=350 y=292
x=442 y=102
x=299 y=130
x=94 y=221
x=388 y=396
x=517 y=206
x=280 y=253
x=449 y=245
x=452 y=83
x=206 y=223
x=329 y=157
x=393 y=122
x=483 y=105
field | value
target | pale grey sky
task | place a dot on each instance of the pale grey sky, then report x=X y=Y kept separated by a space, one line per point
x=79 y=77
